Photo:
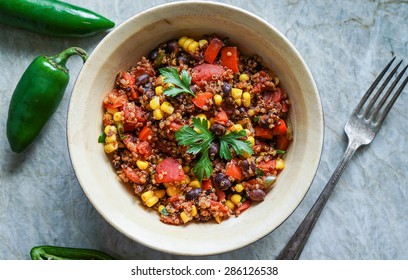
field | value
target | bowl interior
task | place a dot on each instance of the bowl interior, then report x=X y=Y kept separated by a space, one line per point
x=121 y=49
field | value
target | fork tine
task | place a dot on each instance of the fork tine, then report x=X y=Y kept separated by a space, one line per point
x=372 y=87
x=393 y=99
x=380 y=90
x=385 y=97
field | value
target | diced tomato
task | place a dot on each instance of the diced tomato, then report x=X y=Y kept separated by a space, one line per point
x=202 y=100
x=115 y=99
x=206 y=185
x=125 y=79
x=168 y=171
x=144 y=148
x=173 y=198
x=205 y=72
x=264 y=133
x=229 y=58
x=220 y=194
x=267 y=166
x=277 y=95
x=244 y=206
x=131 y=174
x=145 y=133
x=221 y=207
x=280 y=128
x=233 y=170
x=175 y=126
x=212 y=50
x=282 y=142
x=221 y=117
x=133 y=115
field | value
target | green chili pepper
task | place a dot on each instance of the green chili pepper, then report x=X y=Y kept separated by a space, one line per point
x=37 y=96
x=50 y=17
x=66 y=253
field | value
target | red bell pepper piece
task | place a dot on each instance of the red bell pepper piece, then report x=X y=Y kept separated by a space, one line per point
x=202 y=99
x=233 y=170
x=244 y=206
x=205 y=72
x=280 y=128
x=264 y=133
x=282 y=142
x=206 y=185
x=145 y=133
x=212 y=50
x=221 y=117
x=229 y=58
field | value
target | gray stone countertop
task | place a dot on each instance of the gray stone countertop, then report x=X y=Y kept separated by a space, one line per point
x=345 y=44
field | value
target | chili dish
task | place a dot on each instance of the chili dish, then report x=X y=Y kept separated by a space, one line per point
x=198 y=130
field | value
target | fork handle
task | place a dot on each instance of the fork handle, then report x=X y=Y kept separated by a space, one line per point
x=294 y=247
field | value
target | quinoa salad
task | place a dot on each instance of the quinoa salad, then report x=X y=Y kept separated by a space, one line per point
x=197 y=130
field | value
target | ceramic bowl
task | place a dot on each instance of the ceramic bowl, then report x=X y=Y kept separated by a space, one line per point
x=124 y=46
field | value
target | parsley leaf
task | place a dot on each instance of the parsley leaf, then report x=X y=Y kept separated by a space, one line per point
x=203 y=168
x=102 y=137
x=198 y=140
x=172 y=76
x=232 y=139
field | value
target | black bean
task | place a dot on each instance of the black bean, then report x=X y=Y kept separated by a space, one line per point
x=222 y=181
x=153 y=55
x=172 y=46
x=218 y=129
x=213 y=150
x=257 y=195
x=142 y=79
x=226 y=88
x=150 y=93
x=191 y=195
x=244 y=165
x=183 y=59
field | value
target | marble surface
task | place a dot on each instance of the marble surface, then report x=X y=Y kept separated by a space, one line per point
x=345 y=44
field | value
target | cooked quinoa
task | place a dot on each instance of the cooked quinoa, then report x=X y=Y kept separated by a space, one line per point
x=233 y=95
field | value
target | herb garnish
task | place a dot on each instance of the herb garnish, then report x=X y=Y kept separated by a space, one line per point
x=199 y=142
x=171 y=76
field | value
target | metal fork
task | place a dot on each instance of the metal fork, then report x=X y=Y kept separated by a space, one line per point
x=361 y=128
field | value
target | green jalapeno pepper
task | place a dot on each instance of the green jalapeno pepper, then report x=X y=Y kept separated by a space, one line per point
x=66 y=253
x=37 y=96
x=52 y=17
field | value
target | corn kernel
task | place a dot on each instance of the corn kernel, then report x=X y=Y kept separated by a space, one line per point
x=248 y=132
x=239 y=187
x=154 y=103
x=192 y=47
x=276 y=81
x=195 y=184
x=167 y=108
x=158 y=90
x=152 y=201
x=247 y=99
x=147 y=195
x=172 y=190
x=111 y=147
x=217 y=99
x=110 y=138
x=186 y=168
x=280 y=164
x=160 y=193
x=193 y=211
x=236 y=198
x=161 y=208
x=238 y=101
x=229 y=204
x=186 y=180
x=236 y=93
x=118 y=116
x=142 y=164
x=202 y=43
x=251 y=112
x=110 y=129
x=202 y=116
x=182 y=40
x=158 y=114
x=218 y=219
x=184 y=217
x=243 y=77
x=246 y=155
x=251 y=140
x=236 y=127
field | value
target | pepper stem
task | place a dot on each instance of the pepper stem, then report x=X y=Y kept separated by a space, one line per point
x=61 y=59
